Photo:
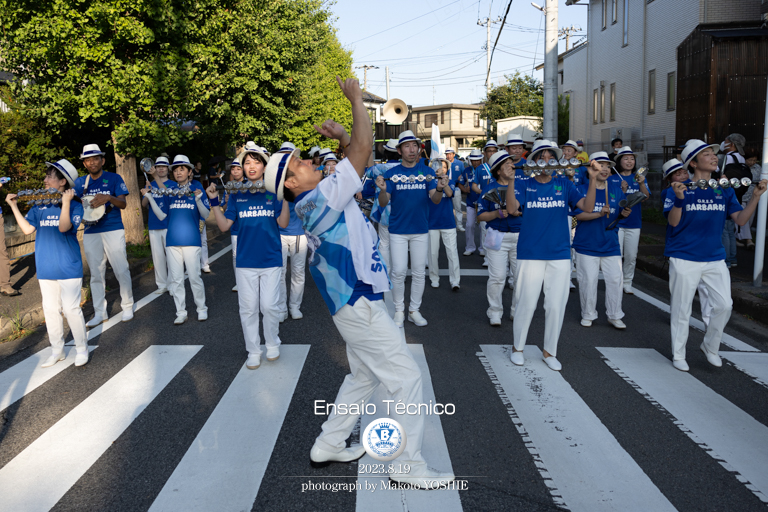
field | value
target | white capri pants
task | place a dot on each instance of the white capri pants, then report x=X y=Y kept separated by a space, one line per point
x=400 y=246
x=204 y=247
x=384 y=248
x=629 y=239
x=499 y=262
x=587 y=272
x=457 y=207
x=553 y=276
x=377 y=355
x=100 y=247
x=157 y=244
x=258 y=291
x=178 y=258
x=64 y=293
x=684 y=279
x=294 y=246
x=451 y=251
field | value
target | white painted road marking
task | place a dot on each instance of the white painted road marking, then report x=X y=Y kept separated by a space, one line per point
x=578 y=457
x=754 y=365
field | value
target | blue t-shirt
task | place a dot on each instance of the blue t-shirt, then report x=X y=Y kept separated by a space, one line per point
x=258 y=238
x=635 y=220
x=379 y=214
x=57 y=254
x=483 y=178
x=466 y=179
x=227 y=198
x=369 y=185
x=410 y=201
x=581 y=177
x=545 y=232
x=510 y=224
x=108 y=183
x=162 y=203
x=698 y=236
x=519 y=169
x=457 y=168
x=441 y=214
x=294 y=225
x=591 y=238
x=184 y=219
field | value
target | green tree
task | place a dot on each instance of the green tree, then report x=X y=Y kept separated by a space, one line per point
x=522 y=95
x=563 y=118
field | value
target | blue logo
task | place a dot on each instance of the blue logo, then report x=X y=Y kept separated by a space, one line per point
x=384 y=439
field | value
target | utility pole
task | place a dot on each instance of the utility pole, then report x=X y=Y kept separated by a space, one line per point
x=550 y=69
x=386 y=69
x=487 y=22
x=365 y=75
x=566 y=33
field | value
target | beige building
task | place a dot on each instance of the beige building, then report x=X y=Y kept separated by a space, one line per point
x=460 y=124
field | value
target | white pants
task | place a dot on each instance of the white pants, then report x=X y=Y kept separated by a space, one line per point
x=684 y=278
x=178 y=258
x=204 y=248
x=629 y=239
x=451 y=251
x=384 y=245
x=157 y=244
x=399 y=247
x=706 y=307
x=470 y=230
x=554 y=276
x=457 y=207
x=258 y=291
x=377 y=354
x=499 y=262
x=100 y=247
x=64 y=293
x=587 y=271
x=294 y=246
x=234 y=252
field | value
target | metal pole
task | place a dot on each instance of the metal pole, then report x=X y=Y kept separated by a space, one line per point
x=488 y=69
x=387 y=70
x=762 y=208
x=550 y=72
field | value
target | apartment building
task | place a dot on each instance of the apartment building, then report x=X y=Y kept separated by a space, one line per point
x=460 y=124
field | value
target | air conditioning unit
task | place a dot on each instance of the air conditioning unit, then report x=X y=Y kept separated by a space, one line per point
x=608 y=134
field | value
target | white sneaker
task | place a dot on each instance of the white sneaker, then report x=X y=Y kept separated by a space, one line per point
x=426 y=479
x=485 y=263
x=714 y=359
x=628 y=291
x=180 y=318
x=680 y=364
x=283 y=317
x=206 y=269
x=416 y=318
x=161 y=291
x=481 y=252
x=253 y=361
x=53 y=359
x=273 y=353
x=510 y=285
x=82 y=357
x=617 y=323
x=96 y=320
x=127 y=315
x=319 y=455
x=435 y=284
x=234 y=288
x=553 y=363
x=468 y=253
x=399 y=318
x=460 y=228
x=517 y=357
x=573 y=286
x=495 y=321
x=296 y=314
x=202 y=316
x=586 y=323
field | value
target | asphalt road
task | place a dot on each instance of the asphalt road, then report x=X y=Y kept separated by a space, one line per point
x=594 y=437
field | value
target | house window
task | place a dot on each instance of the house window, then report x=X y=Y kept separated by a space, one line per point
x=429 y=120
x=671 y=85
x=626 y=22
x=652 y=91
x=418 y=118
x=594 y=107
x=461 y=116
x=442 y=117
x=613 y=102
x=602 y=102
x=477 y=119
x=604 y=13
x=614 y=11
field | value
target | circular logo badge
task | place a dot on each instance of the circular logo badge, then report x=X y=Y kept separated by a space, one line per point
x=384 y=439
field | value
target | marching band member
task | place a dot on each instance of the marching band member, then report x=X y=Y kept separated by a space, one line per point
x=409 y=223
x=597 y=248
x=259 y=258
x=314 y=155
x=183 y=238
x=294 y=244
x=570 y=150
x=321 y=155
x=381 y=214
x=629 y=227
x=329 y=164
x=544 y=250
x=515 y=148
x=442 y=224
x=695 y=250
x=457 y=168
x=465 y=185
x=58 y=261
x=482 y=179
x=348 y=271
x=159 y=228
x=236 y=175
x=502 y=236
x=105 y=240
x=287 y=147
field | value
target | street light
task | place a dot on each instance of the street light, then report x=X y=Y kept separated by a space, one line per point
x=539 y=8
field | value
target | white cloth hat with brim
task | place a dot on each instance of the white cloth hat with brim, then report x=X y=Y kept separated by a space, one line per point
x=693 y=147
x=161 y=160
x=490 y=144
x=571 y=144
x=624 y=151
x=313 y=151
x=330 y=157
x=391 y=146
x=476 y=154
x=287 y=147
x=671 y=166
x=450 y=150
x=181 y=160
x=515 y=139
x=497 y=159
x=254 y=149
x=407 y=136
x=541 y=145
x=90 y=150
x=325 y=151
x=66 y=169
x=275 y=173
x=602 y=156
x=235 y=163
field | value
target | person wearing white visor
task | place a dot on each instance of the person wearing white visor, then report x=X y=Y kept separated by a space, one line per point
x=58 y=261
x=464 y=183
x=105 y=240
x=236 y=176
x=158 y=229
x=695 y=250
x=457 y=168
x=381 y=214
x=544 y=250
x=442 y=225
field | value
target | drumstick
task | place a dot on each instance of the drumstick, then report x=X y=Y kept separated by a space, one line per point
x=606 y=199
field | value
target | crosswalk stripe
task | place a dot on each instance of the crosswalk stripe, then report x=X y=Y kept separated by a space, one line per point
x=29 y=369
x=754 y=365
x=728 y=434
x=40 y=475
x=728 y=340
x=584 y=466
x=224 y=466
x=434 y=449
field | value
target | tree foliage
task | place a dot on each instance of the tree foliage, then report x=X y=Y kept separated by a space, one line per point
x=522 y=95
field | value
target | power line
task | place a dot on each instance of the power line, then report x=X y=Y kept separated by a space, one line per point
x=405 y=22
x=487 y=77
